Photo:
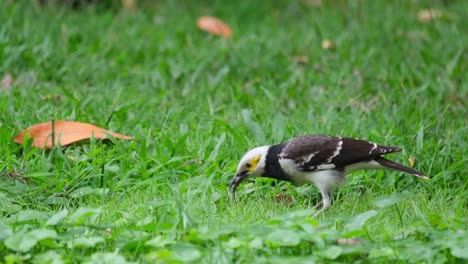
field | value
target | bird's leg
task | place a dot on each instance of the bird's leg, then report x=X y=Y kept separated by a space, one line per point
x=326 y=202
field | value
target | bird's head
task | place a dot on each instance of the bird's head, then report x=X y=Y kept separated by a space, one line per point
x=251 y=165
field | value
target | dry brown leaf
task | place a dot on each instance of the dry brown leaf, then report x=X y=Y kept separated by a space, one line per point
x=348 y=241
x=327 y=44
x=427 y=15
x=411 y=161
x=284 y=198
x=7 y=81
x=16 y=176
x=65 y=133
x=191 y=161
x=53 y=98
x=129 y=4
x=301 y=59
x=214 y=26
x=313 y=2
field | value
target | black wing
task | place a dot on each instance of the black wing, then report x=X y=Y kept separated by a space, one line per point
x=315 y=152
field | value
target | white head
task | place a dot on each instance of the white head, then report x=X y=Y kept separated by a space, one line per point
x=251 y=165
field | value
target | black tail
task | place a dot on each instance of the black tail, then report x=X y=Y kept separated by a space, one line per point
x=396 y=166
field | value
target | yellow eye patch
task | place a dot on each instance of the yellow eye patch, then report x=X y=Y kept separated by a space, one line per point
x=254 y=163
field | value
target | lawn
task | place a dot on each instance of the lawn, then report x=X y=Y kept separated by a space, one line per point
x=195 y=103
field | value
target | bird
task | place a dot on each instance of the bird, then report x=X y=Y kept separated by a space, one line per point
x=316 y=159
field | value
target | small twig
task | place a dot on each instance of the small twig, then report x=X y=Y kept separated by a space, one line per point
x=16 y=176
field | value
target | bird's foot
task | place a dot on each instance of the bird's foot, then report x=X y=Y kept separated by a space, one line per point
x=317 y=206
x=325 y=206
x=318 y=213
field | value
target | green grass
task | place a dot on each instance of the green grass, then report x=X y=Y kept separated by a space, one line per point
x=196 y=103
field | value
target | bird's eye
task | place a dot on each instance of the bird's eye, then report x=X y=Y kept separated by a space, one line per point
x=248 y=165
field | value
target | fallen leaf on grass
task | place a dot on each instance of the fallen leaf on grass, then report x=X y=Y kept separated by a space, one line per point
x=411 y=161
x=7 y=81
x=16 y=176
x=64 y=133
x=427 y=15
x=284 y=198
x=214 y=26
x=301 y=59
x=250 y=83
x=53 y=98
x=348 y=241
x=128 y=4
x=313 y=2
x=327 y=44
x=191 y=161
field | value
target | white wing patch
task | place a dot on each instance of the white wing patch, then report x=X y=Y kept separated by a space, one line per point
x=336 y=152
x=307 y=158
x=302 y=160
x=374 y=146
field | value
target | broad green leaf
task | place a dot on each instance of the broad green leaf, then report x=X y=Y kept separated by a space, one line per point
x=358 y=221
x=459 y=252
x=56 y=200
x=5 y=231
x=186 y=253
x=28 y=215
x=84 y=242
x=106 y=258
x=332 y=252
x=458 y=243
x=381 y=252
x=158 y=255
x=256 y=243
x=393 y=199
x=24 y=242
x=283 y=238
x=56 y=218
x=112 y=168
x=15 y=258
x=11 y=208
x=87 y=191
x=7 y=204
x=49 y=257
x=158 y=242
x=20 y=243
x=233 y=243
x=41 y=234
x=85 y=213
x=145 y=221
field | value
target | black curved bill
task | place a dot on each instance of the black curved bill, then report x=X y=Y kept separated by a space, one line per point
x=237 y=180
